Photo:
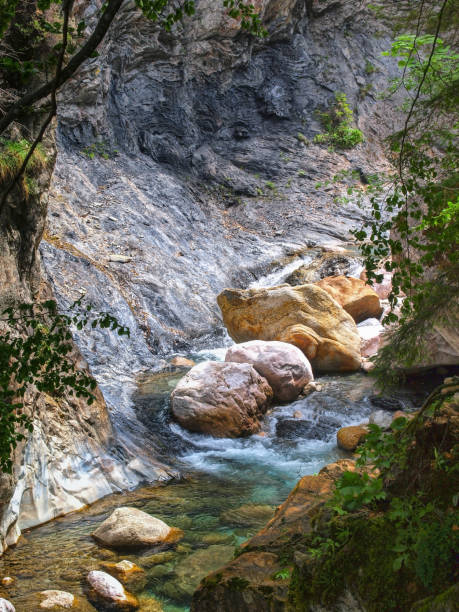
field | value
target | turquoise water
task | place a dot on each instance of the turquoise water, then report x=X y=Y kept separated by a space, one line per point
x=229 y=490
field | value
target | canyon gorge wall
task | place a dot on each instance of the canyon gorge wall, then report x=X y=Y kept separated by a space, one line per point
x=185 y=164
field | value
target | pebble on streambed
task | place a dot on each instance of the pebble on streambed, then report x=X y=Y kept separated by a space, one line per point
x=6 y=606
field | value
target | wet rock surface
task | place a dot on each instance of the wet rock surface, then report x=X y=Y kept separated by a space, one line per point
x=62 y=600
x=348 y=438
x=106 y=592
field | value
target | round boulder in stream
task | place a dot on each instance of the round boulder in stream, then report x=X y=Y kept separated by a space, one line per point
x=283 y=365
x=6 y=606
x=225 y=400
x=129 y=528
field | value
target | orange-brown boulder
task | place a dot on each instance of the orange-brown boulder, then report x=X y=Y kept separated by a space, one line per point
x=305 y=316
x=357 y=298
x=348 y=438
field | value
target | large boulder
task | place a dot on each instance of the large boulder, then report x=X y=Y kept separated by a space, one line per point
x=305 y=316
x=128 y=528
x=283 y=365
x=356 y=297
x=221 y=399
x=107 y=593
x=6 y=606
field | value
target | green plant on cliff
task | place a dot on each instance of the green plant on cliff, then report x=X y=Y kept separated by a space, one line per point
x=35 y=353
x=12 y=155
x=337 y=122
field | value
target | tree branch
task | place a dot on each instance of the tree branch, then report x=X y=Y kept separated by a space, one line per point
x=67 y=9
x=75 y=62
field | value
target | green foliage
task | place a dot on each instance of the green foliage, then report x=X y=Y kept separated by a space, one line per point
x=382 y=534
x=370 y=68
x=35 y=351
x=354 y=490
x=99 y=149
x=12 y=156
x=414 y=224
x=302 y=138
x=338 y=125
x=282 y=574
x=270 y=185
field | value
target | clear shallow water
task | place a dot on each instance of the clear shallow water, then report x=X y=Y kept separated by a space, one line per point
x=230 y=489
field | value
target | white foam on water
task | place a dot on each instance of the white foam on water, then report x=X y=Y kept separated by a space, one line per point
x=277 y=277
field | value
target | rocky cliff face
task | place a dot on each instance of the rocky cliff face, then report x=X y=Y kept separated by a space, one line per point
x=184 y=166
x=181 y=170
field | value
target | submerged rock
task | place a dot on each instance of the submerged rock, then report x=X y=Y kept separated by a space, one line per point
x=247 y=515
x=348 y=438
x=194 y=567
x=252 y=581
x=107 y=592
x=128 y=573
x=182 y=362
x=357 y=298
x=132 y=528
x=283 y=365
x=221 y=399
x=62 y=600
x=305 y=316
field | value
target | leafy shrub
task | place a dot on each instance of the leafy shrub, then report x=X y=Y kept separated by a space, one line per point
x=337 y=123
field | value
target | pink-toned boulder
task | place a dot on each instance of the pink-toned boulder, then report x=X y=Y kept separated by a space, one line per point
x=357 y=298
x=371 y=335
x=383 y=288
x=6 y=606
x=107 y=592
x=283 y=365
x=225 y=400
